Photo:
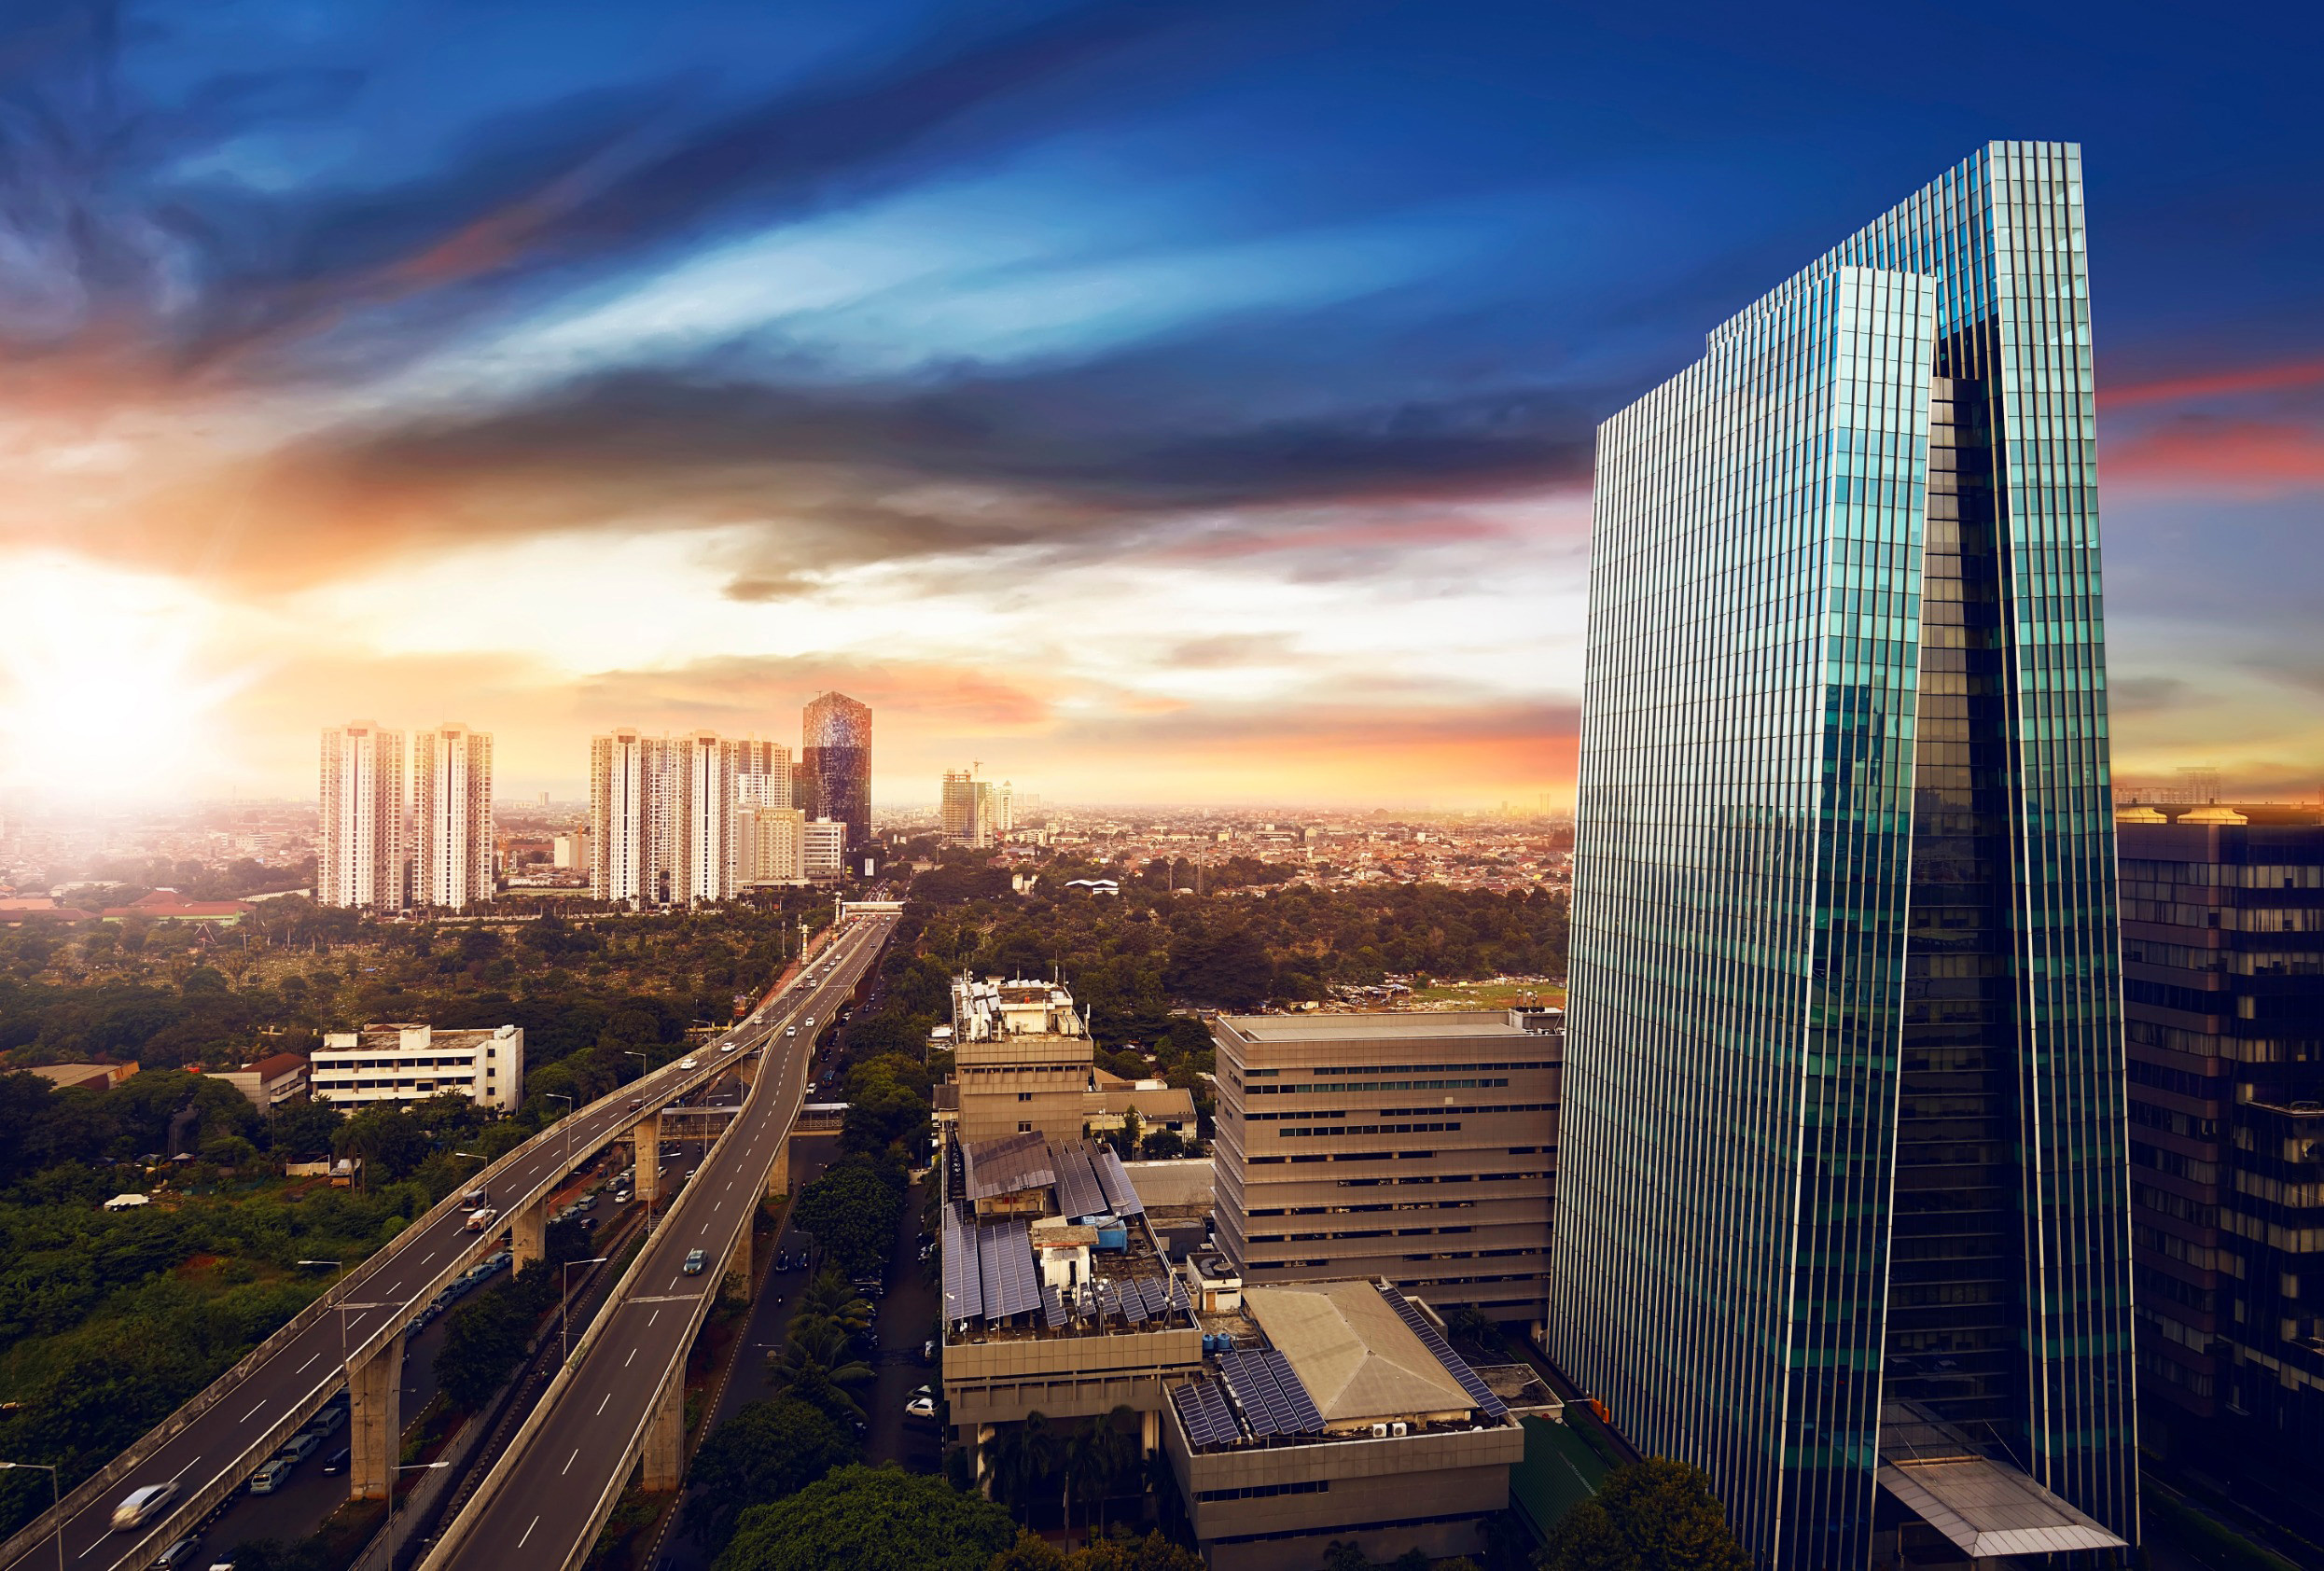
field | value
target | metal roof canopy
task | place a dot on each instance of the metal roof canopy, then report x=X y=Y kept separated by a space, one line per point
x=1986 y=1507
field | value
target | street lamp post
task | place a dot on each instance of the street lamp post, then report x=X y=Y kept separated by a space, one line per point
x=565 y=1307
x=55 y=1502
x=408 y=1468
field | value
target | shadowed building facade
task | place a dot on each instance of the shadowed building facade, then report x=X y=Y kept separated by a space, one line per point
x=835 y=763
x=1843 y=1211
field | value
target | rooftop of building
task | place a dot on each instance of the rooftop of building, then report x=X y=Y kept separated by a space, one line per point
x=1398 y=1025
x=384 y=1035
x=1325 y=1362
x=988 y=1009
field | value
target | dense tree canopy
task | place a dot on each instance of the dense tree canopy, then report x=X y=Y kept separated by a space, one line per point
x=1659 y=1515
x=871 y=1519
x=765 y=1452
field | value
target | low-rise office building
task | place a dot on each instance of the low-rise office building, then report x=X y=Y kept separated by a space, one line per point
x=1335 y=1411
x=1420 y=1148
x=1024 y=1063
x=269 y=1082
x=1058 y=1299
x=391 y=1063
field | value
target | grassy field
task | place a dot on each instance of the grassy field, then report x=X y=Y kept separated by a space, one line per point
x=1497 y=995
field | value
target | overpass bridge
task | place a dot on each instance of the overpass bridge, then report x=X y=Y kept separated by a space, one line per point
x=621 y=1399
x=352 y=1336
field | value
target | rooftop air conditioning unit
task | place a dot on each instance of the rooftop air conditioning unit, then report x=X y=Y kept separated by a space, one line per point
x=1399 y=1427
x=1378 y=1431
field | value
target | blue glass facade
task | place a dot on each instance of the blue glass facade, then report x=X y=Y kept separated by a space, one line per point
x=1844 y=1123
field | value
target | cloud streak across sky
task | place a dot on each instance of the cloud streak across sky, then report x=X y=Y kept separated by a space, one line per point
x=1152 y=400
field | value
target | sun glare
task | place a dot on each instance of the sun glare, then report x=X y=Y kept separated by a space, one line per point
x=100 y=697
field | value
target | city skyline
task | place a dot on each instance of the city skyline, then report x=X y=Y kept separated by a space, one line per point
x=1184 y=404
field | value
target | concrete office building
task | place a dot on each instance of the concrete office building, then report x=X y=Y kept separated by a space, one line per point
x=1058 y=1299
x=825 y=843
x=452 y=818
x=413 y=1062
x=2223 y=999
x=1421 y=1149
x=1336 y=1410
x=364 y=857
x=835 y=756
x=769 y=847
x=1844 y=1196
x=968 y=810
x=270 y=1081
x=1024 y=1063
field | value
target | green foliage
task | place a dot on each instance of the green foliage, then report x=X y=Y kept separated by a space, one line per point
x=1153 y=1553
x=851 y=1213
x=484 y=1339
x=1657 y=1515
x=817 y=1367
x=765 y=1452
x=870 y=1519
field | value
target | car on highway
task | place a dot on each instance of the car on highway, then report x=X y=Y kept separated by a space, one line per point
x=726 y=1046
x=139 y=1505
x=478 y=1220
x=695 y=1261
x=811 y=1020
x=178 y=1553
x=690 y=1064
x=791 y=1031
x=272 y=1477
x=923 y=1404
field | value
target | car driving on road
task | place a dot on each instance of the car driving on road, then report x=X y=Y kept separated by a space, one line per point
x=140 y=1504
x=695 y=1261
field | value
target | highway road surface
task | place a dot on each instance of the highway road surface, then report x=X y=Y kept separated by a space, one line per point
x=306 y=1369
x=542 y=1513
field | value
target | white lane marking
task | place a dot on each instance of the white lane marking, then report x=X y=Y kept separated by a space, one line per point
x=302 y=1368
x=429 y=1255
x=568 y=1463
x=252 y=1413
x=652 y=1318
x=601 y=1406
x=625 y=1363
x=528 y=1531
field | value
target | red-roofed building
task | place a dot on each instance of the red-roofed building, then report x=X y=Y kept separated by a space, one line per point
x=278 y=1078
x=169 y=905
x=22 y=910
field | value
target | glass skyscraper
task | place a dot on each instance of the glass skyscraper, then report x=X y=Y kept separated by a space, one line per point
x=1842 y=1210
x=835 y=753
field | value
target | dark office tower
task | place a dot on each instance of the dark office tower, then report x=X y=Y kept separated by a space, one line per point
x=1842 y=1210
x=835 y=747
x=2223 y=999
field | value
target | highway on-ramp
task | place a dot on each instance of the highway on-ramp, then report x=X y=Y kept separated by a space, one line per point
x=542 y=1508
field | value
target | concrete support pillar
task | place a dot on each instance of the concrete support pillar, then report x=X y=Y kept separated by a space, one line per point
x=665 y=1437
x=747 y=1073
x=738 y=1272
x=779 y=1171
x=648 y=1137
x=1150 y=1432
x=527 y=1231
x=375 y=1420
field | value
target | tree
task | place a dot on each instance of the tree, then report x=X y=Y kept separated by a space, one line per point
x=766 y=1452
x=814 y=1366
x=1152 y=1552
x=1022 y=1458
x=870 y=1519
x=1030 y=1553
x=852 y=1212
x=303 y=1130
x=1656 y=1515
x=830 y=1297
x=1095 y=1455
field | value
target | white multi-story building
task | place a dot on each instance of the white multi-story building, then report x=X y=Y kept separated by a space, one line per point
x=667 y=817
x=621 y=770
x=770 y=846
x=452 y=818
x=703 y=860
x=824 y=845
x=762 y=773
x=363 y=857
x=413 y=1062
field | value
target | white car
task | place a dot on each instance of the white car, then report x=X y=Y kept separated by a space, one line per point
x=811 y=1020
x=139 y=1505
x=690 y=1064
x=791 y=1031
x=923 y=1404
x=726 y=1046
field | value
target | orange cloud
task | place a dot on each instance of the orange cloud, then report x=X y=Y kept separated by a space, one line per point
x=2247 y=456
x=2283 y=377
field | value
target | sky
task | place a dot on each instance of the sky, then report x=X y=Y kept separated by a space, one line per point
x=1150 y=402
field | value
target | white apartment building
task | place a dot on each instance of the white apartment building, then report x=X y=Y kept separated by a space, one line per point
x=622 y=775
x=825 y=848
x=391 y=1063
x=569 y=851
x=770 y=846
x=705 y=848
x=667 y=818
x=363 y=857
x=762 y=773
x=452 y=818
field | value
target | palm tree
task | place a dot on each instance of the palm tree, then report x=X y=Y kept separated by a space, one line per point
x=829 y=1297
x=1096 y=1456
x=1022 y=1458
x=814 y=1365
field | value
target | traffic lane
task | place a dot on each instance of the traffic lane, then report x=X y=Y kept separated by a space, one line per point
x=300 y=1370
x=906 y=1320
x=607 y=1401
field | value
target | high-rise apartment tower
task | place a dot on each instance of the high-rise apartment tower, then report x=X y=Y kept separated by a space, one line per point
x=363 y=858
x=1842 y=1206
x=835 y=735
x=452 y=818
x=624 y=778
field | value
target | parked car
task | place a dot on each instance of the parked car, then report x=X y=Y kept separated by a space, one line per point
x=695 y=1261
x=139 y=1505
x=178 y=1553
x=272 y=1477
x=300 y=1446
x=923 y=1404
x=782 y=1259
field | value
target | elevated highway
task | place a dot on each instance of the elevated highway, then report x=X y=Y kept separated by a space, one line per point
x=621 y=1399
x=352 y=1336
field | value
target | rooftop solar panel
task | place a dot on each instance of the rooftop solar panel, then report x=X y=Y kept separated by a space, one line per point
x=1299 y=1408
x=1120 y=1191
x=1455 y=1364
x=1108 y=1305
x=1214 y=1401
x=1053 y=1309
x=964 y=1279
x=1132 y=1302
x=1191 y=1417
x=1178 y=1300
x=1079 y=1193
x=1258 y=1411
x=1020 y=1289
